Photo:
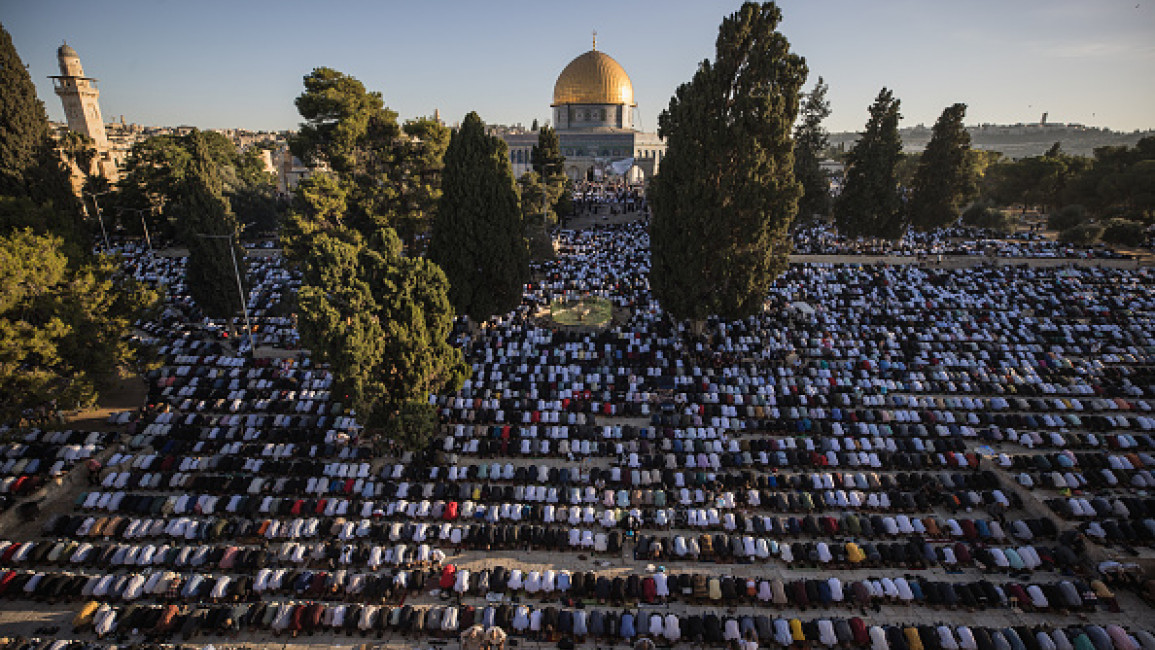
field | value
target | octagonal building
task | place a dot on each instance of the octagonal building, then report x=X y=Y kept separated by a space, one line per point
x=593 y=113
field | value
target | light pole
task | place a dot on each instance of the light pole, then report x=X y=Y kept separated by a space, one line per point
x=140 y=212
x=240 y=289
x=99 y=216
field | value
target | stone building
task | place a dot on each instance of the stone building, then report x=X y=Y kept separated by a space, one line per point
x=593 y=113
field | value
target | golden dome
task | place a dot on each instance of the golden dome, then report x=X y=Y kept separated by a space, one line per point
x=593 y=78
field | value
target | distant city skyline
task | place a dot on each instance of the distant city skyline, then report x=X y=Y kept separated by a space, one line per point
x=239 y=65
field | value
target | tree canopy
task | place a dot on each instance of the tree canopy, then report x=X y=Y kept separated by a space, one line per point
x=156 y=173
x=64 y=312
x=548 y=178
x=871 y=201
x=391 y=174
x=419 y=162
x=478 y=234
x=210 y=231
x=345 y=125
x=1037 y=180
x=1118 y=181
x=382 y=320
x=62 y=323
x=810 y=141
x=30 y=166
x=941 y=182
x=726 y=195
x=546 y=156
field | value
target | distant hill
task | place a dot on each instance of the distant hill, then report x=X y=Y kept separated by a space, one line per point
x=1017 y=140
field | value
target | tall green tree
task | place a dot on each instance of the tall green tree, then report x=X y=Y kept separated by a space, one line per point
x=30 y=166
x=810 y=142
x=941 y=182
x=726 y=194
x=344 y=123
x=253 y=193
x=382 y=320
x=210 y=231
x=546 y=157
x=392 y=173
x=871 y=203
x=534 y=196
x=23 y=124
x=158 y=166
x=478 y=234
x=63 y=311
x=62 y=323
x=978 y=163
x=418 y=164
x=540 y=203
x=348 y=130
x=152 y=171
x=549 y=168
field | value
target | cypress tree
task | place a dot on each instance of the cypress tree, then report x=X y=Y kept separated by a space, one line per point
x=478 y=234
x=810 y=140
x=23 y=124
x=29 y=164
x=942 y=178
x=210 y=233
x=726 y=194
x=549 y=164
x=546 y=156
x=871 y=203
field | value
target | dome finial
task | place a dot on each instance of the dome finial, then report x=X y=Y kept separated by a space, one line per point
x=595 y=39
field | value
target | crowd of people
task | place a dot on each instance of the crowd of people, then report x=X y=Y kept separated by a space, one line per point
x=820 y=239
x=594 y=197
x=882 y=440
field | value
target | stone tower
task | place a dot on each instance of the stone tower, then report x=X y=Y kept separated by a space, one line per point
x=80 y=97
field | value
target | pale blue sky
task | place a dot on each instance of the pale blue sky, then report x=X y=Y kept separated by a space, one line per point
x=216 y=64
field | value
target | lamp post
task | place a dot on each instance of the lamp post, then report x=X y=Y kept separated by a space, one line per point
x=99 y=216
x=140 y=212
x=240 y=288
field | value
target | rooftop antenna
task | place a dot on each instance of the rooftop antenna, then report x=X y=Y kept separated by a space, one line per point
x=595 y=39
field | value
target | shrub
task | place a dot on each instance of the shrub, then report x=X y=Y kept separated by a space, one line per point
x=1083 y=234
x=982 y=214
x=1124 y=232
x=1067 y=218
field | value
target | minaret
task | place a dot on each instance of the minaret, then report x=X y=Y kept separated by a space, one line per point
x=79 y=95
